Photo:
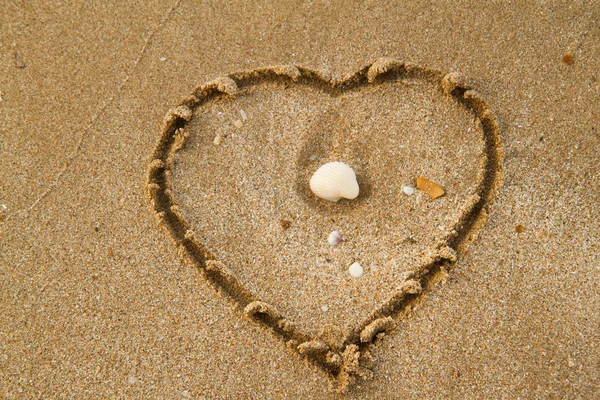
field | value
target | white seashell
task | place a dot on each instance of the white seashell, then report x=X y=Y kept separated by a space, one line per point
x=334 y=180
x=356 y=270
x=335 y=238
x=409 y=190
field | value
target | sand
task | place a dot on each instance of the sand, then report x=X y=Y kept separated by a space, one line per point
x=97 y=299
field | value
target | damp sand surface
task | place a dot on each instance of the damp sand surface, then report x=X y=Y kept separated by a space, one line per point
x=96 y=301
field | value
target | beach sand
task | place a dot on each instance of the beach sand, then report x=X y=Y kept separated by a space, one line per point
x=100 y=298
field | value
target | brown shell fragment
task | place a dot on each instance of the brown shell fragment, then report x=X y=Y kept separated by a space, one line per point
x=568 y=59
x=285 y=224
x=519 y=228
x=433 y=189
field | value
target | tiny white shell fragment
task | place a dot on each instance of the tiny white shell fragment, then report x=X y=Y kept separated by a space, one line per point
x=324 y=308
x=335 y=238
x=409 y=190
x=244 y=115
x=356 y=270
x=217 y=140
x=334 y=180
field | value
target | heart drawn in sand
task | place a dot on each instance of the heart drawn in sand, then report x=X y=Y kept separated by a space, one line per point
x=229 y=180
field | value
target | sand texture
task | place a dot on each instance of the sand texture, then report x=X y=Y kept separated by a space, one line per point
x=159 y=239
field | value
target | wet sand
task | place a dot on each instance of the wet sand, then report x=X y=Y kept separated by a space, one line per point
x=98 y=301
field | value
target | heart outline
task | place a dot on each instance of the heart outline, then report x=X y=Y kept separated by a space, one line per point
x=341 y=365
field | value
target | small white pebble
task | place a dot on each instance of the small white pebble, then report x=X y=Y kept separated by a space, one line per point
x=335 y=238
x=244 y=115
x=441 y=227
x=238 y=124
x=217 y=140
x=312 y=157
x=409 y=190
x=3 y=206
x=356 y=270
x=419 y=197
x=324 y=308
x=163 y=59
x=131 y=380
